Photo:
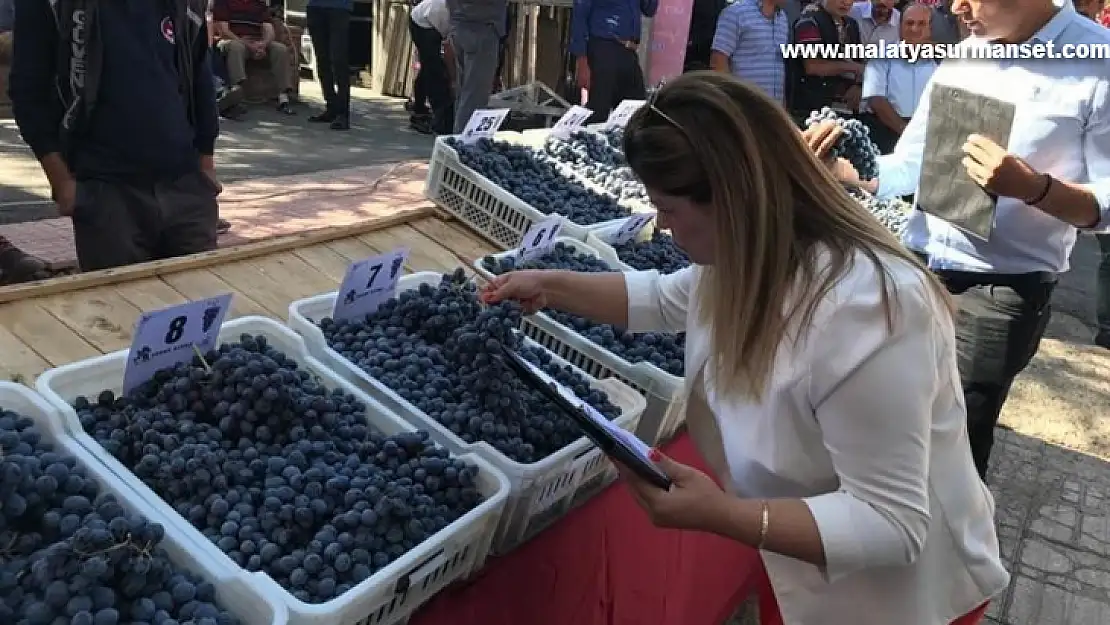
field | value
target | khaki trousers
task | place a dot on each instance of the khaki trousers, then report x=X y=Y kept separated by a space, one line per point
x=237 y=54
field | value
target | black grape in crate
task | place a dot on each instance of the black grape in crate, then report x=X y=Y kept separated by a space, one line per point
x=593 y=157
x=283 y=475
x=659 y=252
x=70 y=554
x=439 y=348
x=665 y=351
x=536 y=180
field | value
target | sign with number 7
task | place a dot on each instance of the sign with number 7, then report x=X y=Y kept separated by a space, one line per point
x=368 y=283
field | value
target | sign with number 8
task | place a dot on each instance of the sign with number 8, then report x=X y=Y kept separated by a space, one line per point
x=164 y=338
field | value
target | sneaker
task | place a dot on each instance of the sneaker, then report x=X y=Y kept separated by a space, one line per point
x=341 y=122
x=19 y=266
x=234 y=113
x=421 y=125
x=223 y=226
x=285 y=107
x=229 y=98
x=1102 y=339
x=325 y=117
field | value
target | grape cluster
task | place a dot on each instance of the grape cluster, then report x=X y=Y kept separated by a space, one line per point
x=615 y=138
x=665 y=351
x=893 y=213
x=593 y=157
x=854 y=144
x=537 y=181
x=440 y=349
x=71 y=555
x=659 y=252
x=283 y=475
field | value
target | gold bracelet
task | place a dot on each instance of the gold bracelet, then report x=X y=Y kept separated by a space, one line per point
x=764 y=523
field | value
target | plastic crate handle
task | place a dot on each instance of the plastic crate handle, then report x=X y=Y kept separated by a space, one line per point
x=420 y=572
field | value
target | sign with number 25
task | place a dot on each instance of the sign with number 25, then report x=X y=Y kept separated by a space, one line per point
x=164 y=338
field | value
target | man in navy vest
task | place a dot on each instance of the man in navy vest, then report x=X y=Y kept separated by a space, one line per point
x=117 y=101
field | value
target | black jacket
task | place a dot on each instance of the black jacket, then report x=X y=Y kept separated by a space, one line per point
x=57 y=69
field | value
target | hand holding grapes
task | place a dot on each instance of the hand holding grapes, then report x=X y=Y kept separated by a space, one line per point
x=821 y=138
x=524 y=287
x=998 y=171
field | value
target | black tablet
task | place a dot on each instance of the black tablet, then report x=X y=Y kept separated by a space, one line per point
x=622 y=446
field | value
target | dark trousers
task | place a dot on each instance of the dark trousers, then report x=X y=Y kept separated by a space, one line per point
x=117 y=224
x=882 y=136
x=1103 y=290
x=1001 y=320
x=432 y=87
x=615 y=75
x=330 y=30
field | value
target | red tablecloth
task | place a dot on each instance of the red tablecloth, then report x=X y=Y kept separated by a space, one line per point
x=605 y=564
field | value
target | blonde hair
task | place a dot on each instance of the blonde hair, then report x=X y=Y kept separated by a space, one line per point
x=724 y=145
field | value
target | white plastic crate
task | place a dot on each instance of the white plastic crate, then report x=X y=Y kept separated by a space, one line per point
x=489 y=210
x=234 y=592
x=657 y=386
x=542 y=491
x=387 y=597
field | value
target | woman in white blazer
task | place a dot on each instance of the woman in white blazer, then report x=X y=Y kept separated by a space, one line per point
x=821 y=379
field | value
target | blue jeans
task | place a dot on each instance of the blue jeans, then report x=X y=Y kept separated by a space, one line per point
x=1103 y=287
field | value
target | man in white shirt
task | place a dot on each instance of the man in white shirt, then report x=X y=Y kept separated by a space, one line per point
x=893 y=87
x=429 y=25
x=1052 y=178
x=878 y=21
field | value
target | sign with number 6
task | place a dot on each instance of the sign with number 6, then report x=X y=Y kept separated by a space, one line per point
x=540 y=238
x=170 y=336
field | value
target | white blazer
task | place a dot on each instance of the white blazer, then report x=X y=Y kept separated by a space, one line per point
x=869 y=429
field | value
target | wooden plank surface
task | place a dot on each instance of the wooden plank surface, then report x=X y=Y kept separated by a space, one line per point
x=82 y=319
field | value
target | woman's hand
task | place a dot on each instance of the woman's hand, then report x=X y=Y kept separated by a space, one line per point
x=693 y=502
x=525 y=287
x=821 y=137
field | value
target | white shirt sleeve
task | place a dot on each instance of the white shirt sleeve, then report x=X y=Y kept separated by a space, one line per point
x=874 y=393
x=875 y=79
x=900 y=171
x=658 y=303
x=1096 y=154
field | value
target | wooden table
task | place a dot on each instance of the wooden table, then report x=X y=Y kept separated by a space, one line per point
x=59 y=321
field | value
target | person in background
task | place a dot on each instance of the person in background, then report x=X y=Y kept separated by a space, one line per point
x=892 y=88
x=828 y=81
x=329 y=25
x=246 y=32
x=604 y=38
x=878 y=21
x=125 y=139
x=746 y=44
x=703 y=27
x=850 y=477
x=7 y=22
x=1052 y=178
x=476 y=30
x=429 y=25
x=946 y=25
x=1093 y=9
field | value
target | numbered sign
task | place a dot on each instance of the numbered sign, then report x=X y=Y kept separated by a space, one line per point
x=540 y=238
x=620 y=115
x=483 y=123
x=629 y=229
x=368 y=283
x=572 y=120
x=167 y=337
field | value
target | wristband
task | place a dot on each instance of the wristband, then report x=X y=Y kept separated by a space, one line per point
x=1044 y=192
x=764 y=523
